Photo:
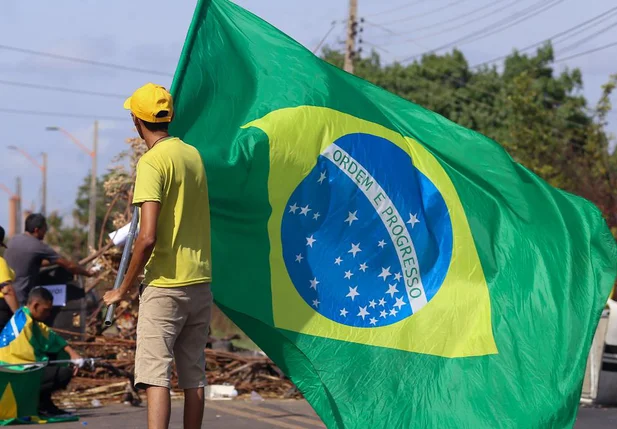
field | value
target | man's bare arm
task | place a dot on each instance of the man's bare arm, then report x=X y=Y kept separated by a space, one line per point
x=144 y=245
x=73 y=267
x=9 y=296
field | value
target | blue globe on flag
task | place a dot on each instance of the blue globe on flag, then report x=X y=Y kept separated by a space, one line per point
x=367 y=238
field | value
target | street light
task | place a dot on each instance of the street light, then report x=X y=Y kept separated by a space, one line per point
x=92 y=154
x=42 y=167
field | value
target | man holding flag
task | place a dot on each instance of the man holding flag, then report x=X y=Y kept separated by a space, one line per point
x=173 y=245
x=404 y=271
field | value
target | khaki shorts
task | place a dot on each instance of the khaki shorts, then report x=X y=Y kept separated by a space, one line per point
x=173 y=324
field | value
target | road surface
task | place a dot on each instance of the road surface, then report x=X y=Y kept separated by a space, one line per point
x=271 y=414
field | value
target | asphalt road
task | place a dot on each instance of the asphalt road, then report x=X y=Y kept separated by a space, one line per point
x=241 y=414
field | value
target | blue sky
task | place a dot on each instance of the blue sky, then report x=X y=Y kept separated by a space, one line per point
x=150 y=35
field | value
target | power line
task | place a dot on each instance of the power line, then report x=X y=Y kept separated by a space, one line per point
x=431 y=12
x=396 y=9
x=376 y=46
x=459 y=26
x=325 y=37
x=458 y=17
x=514 y=19
x=382 y=27
x=63 y=115
x=588 y=38
x=83 y=61
x=394 y=33
x=591 y=51
x=60 y=89
x=606 y=15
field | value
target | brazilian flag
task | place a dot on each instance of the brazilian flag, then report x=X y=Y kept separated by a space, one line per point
x=24 y=343
x=404 y=271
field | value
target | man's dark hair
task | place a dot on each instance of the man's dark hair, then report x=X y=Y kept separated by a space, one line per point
x=34 y=221
x=40 y=294
x=158 y=126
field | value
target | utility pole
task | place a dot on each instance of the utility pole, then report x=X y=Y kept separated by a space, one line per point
x=44 y=191
x=93 y=154
x=42 y=167
x=13 y=204
x=92 y=206
x=19 y=220
x=350 y=46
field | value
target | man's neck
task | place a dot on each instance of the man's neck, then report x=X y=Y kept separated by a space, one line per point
x=152 y=138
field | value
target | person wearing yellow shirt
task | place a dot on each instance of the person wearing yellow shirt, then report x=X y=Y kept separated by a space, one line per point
x=8 y=300
x=173 y=245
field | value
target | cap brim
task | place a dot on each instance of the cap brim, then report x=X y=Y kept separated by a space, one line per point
x=127 y=104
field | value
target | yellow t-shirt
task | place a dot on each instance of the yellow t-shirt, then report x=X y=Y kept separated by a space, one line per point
x=173 y=174
x=6 y=274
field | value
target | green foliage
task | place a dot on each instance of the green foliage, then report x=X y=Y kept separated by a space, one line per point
x=82 y=205
x=72 y=240
x=539 y=116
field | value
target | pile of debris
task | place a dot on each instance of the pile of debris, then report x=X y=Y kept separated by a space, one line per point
x=109 y=379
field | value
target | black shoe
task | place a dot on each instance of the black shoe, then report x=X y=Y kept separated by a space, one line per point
x=50 y=410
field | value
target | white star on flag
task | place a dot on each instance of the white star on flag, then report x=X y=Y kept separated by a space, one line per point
x=399 y=303
x=310 y=240
x=392 y=290
x=385 y=273
x=413 y=220
x=372 y=303
x=348 y=274
x=373 y=321
x=363 y=313
x=344 y=312
x=393 y=312
x=314 y=283
x=383 y=314
x=355 y=248
x=363 y=267
x=382 y=302
x=352 y=217
x=322 y=177
x=299 y=258
x=398 y=277
x=338 y=261
x=316 y=216
x=353 y=292
x=381 y=243
x=305 y=210
x=316 y=303
x=293 y=209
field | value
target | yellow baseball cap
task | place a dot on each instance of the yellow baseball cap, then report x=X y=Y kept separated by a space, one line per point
x=151 y=103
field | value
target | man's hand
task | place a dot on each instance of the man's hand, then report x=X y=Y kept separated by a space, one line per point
x=76 y=357
x=114 y=296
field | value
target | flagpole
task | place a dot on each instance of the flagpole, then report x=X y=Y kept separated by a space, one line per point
x=123 y=263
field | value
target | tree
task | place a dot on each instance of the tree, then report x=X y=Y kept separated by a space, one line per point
x=68 y=240
x=81 y=212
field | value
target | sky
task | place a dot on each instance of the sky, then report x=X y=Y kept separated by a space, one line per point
x=150 y=35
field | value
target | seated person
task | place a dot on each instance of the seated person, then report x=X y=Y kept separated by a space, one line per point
x=8 y=300
x=27 y=339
